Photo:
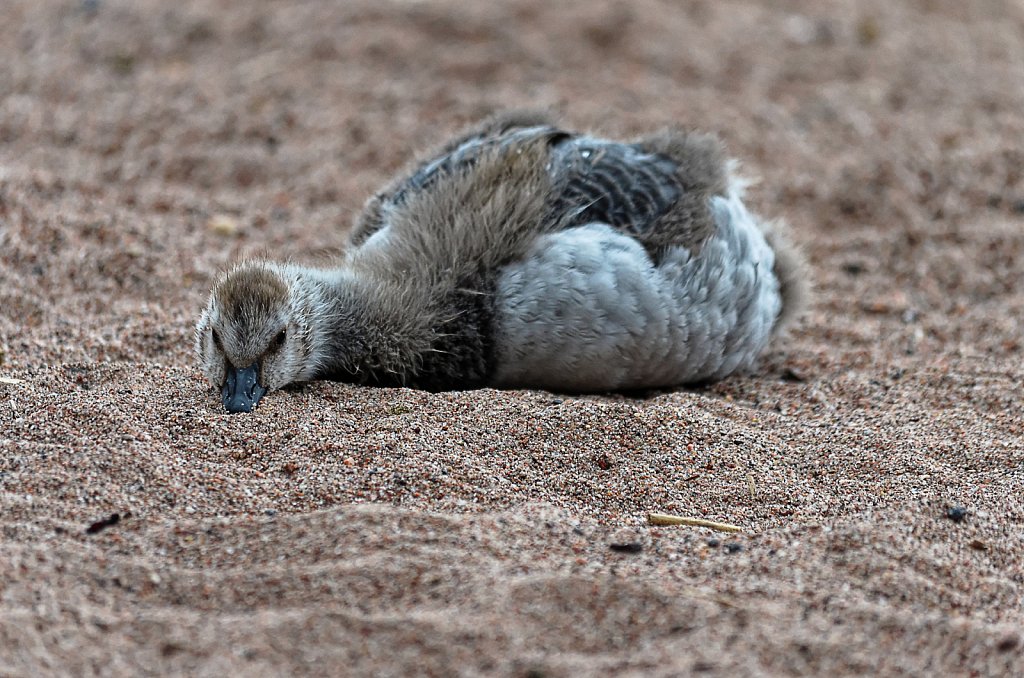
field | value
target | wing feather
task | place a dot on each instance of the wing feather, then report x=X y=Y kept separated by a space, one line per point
x=656 y=189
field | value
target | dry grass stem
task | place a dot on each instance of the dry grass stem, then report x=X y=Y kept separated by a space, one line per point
x=665 y=519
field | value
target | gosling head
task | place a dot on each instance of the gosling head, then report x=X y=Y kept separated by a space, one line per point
x=252 y=336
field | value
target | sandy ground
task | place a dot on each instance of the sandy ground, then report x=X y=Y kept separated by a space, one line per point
x=144 y=145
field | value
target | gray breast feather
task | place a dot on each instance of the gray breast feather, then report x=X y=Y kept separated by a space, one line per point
x=588 y=309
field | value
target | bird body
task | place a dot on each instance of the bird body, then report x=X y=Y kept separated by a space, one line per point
x=521 y=255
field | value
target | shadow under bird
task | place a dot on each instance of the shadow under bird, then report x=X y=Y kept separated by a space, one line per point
x=521 y=255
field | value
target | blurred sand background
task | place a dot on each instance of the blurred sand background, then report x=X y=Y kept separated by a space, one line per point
x=144 y=145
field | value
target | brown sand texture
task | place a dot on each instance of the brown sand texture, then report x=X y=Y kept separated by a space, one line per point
x=874 y=459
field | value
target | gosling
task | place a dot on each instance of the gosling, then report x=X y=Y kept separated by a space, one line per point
x=521 y=255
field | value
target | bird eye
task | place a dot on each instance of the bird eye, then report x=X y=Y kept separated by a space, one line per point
x=279 y=339
x=216 y=339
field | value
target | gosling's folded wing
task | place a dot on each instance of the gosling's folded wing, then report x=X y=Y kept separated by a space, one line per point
x=503 y=130
x=656 y=189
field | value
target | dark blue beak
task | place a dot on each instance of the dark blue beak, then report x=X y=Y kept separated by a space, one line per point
x=242 y=389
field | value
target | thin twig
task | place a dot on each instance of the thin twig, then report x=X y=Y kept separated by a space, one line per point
x=664 y=519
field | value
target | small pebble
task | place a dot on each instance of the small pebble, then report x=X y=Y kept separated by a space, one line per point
x=1008 y=642
x=793 y=374
x=956 y=514
x=101 y=525
x=854 y=268
x=733 y=547
x=223 y=225
x=630 y=547
x=868 y=31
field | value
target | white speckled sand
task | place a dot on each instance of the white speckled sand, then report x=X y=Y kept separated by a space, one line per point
x=382 y=532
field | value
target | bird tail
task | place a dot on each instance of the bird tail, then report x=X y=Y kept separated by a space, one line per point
x=792 y=272
x=790 y=269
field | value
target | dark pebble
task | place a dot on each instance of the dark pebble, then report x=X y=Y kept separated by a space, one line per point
x=733 y=547
x=714 y=543
x=270 y=512
x=101 y=525
x=793 y=374
x=1008 y=642
x=631 y=547
x=956 y=514
x=854 y=268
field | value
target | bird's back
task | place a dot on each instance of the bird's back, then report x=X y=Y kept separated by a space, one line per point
x=655 y=189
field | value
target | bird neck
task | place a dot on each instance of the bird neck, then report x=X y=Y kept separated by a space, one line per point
x=362 y=326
